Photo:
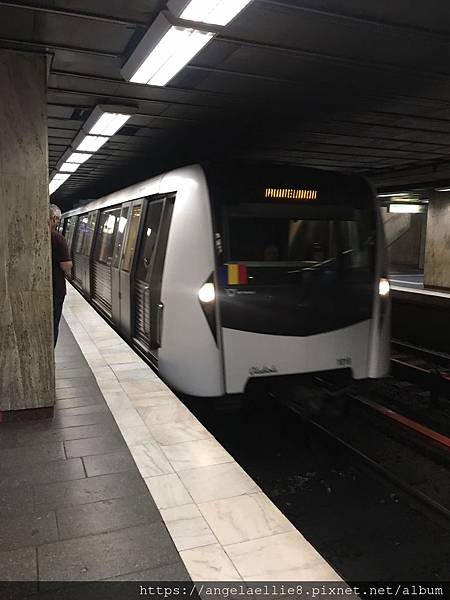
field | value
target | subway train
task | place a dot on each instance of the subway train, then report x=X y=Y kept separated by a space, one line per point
x=223 y=274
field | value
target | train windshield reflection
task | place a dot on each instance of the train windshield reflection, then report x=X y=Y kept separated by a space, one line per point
x=303 y=243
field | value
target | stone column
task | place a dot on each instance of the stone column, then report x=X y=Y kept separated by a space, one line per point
x=26 y=345
x=437 y=245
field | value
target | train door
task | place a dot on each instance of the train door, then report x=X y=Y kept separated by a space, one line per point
x=126 y=238
x=115 y=265
x=108 y=227
x=148 y=309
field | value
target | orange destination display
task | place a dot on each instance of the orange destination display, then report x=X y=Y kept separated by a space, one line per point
x=291 y=193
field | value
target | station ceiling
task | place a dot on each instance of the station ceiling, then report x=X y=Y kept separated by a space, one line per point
x=337 y=84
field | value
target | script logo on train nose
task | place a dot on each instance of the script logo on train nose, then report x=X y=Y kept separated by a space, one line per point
x=262 y=370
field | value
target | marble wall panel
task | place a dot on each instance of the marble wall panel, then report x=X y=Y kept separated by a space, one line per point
x=26 y=337
x=437 y=246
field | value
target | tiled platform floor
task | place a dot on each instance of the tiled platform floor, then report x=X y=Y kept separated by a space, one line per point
x=95 y=493
x=223 y=525
x=73 y=505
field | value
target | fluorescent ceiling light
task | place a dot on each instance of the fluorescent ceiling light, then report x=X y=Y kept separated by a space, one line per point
x=78 y=157
x=392 y=194
x=107 y=119
x=69 y=167
x=92 y=143
x=109 y=124
x=57 y=181
x=177 y=47
x=406 y=208
x=217 y=12
x=53 y=186
x=61 y=177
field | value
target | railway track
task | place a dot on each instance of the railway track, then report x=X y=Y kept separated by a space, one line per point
x=413 y=492
x=348 y=433
x=428 y=369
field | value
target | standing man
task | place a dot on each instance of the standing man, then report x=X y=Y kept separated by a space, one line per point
x=61 y=264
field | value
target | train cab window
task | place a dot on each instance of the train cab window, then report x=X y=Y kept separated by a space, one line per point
x=89 y=228
x=123 y=219
x=132 y=237
x=109 y=223
x=149 y=237
x=302 y=242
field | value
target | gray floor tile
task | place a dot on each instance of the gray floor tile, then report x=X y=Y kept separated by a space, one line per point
x=18 y=565
x=107 y=555
x=84 y=371
x=12 y=433
x=31 y=454
x=49 y=434
x=16 y=500
x=93 y=418
x=61 y=470
x=114 y=462
x=78 y=401
x=92 y=489
x=78 y=392
x=105 y=516
x=83 y=410
x=81 y=382
x=175 y=572
x=32 y=529
x=98 y=445
x=73 y=361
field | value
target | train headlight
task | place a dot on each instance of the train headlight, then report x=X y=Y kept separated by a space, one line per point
x=384 y=287
x=207 y=293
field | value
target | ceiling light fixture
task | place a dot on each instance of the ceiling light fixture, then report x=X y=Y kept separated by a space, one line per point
x=69 y=167
x=217 y=12
x=78 y=157
x=90 y=143
x=167 y=47
x=173 y=52
x=104 y=121
x=408 y=209
x=392 y=194
x=442 y=189
x=57 y=181
x=107 y=119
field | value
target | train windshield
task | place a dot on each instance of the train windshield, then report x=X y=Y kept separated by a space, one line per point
x=327 y=239
x=297 y=270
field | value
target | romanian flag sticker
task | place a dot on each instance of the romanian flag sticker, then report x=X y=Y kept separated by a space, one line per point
x=235 y=274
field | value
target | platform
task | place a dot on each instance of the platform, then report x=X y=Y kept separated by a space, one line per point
x=413 y=283
x=73 y=505
x=130 y=486
x=409 y=280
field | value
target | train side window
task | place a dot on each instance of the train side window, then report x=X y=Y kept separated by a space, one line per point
x=70 y=228
x=109 y=221
x=149 y=237
x=123 y=219
x=79 y=235
x=89 y=233
x=132 y=237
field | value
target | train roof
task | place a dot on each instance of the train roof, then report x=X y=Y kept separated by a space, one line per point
x=222 y=174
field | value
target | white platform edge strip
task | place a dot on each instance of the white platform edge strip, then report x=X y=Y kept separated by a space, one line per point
x=222 y=524
x=423 y=291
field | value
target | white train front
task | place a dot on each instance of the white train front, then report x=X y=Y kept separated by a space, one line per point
x=226 y=273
